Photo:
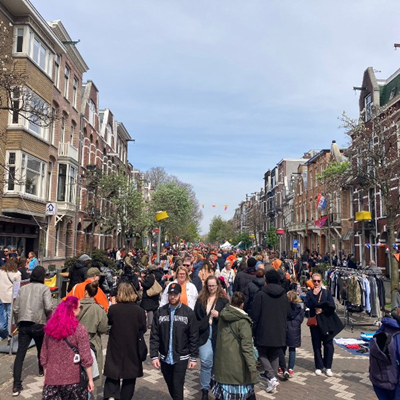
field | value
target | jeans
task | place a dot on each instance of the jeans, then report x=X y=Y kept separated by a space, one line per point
x=206 y=357
x=316 y=339
x=113 y=388
x=269 y=357
x=5 y=313
x=150 y=315
x=292 y=357
x=174 y=375
x=230 y=290
x=384 y=394
x=26 y=332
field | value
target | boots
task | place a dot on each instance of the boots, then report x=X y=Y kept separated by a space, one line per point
x=204 y=395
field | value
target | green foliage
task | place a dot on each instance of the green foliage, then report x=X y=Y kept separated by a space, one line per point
x=272 y=238
x=175 y=199
x=220 y=230
x=335 y=171
x=243 y=237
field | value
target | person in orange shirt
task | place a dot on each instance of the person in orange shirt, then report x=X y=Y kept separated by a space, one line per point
x=276 y=263
x=78 y=290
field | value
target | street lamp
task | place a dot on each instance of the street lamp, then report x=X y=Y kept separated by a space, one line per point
x=160 y=216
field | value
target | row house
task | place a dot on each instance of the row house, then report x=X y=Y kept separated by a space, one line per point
x=383 y=95
x=46 y=196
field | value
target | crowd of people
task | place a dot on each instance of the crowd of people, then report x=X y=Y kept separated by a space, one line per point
x=235 y=311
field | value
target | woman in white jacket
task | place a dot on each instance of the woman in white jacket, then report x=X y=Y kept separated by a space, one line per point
x=189 y=292
x=229 y=276
x=8 y=275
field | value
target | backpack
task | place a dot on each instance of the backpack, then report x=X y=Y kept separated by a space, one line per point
x=383 y=361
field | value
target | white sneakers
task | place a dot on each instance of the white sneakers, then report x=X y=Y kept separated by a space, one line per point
x=328 y=372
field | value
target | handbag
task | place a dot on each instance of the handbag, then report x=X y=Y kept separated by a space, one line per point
x=142 y=347
x=312 y=321
x=155 y=290
x=255 y=351
x=84 y=379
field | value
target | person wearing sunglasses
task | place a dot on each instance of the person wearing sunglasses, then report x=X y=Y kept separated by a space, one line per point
x=322 y=306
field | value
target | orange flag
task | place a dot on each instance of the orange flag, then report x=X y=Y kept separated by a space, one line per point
x=225 y=208
x=214 y=205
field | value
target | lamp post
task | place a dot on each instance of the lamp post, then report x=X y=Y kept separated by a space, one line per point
x=160 y=216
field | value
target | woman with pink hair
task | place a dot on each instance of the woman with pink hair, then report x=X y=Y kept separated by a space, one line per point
x=59 y=360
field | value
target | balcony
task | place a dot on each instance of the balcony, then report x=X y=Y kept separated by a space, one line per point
x=66 y=208
x=68 y=151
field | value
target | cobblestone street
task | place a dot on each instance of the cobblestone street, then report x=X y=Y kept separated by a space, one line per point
x=350 y=380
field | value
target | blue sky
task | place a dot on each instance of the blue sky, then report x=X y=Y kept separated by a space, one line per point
x=218 y=92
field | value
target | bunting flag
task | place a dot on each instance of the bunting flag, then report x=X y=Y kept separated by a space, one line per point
x=321 y=202
x=321 y=222
x=225 y=208
x=202 y=205
x=214 y=205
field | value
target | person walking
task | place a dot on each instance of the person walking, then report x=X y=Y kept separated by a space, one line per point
x=293 y=334
x=253 y=288
x=123 y=362
x=94 y=319
x=229 y=277
x=148 y=303
x=66 y=341
x=174 y=341
x=322 y=307
x=31 y=309
x=32 y=262
x=235 y=367
x=189 y=292
x=8 y=275
x=209 y=304
x=78 y=272
x=270 y=312
x=243 y=278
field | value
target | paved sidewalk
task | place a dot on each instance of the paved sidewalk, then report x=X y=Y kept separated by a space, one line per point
x=350 y=380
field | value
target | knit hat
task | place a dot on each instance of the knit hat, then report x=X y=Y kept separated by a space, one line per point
x=251 y=262
x=84 y=257
x=38 y=274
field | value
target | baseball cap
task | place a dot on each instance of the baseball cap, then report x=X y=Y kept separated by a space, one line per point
x=94 y=272
x=174 y=288
x=84 y=257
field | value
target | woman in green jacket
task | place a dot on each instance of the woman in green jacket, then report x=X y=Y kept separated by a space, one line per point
x=94 y=319
x=235 y=367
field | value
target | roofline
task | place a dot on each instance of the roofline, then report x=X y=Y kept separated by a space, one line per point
x=320 y=153
x=125 y=133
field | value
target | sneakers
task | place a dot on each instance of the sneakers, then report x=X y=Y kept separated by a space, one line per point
x=280 y=371
x=329 y=372
x=41 y=372
x=272 y=385
x=286 y=375
x=16 y=391
x=291 y=373
x=318 y=372
x=263 y=376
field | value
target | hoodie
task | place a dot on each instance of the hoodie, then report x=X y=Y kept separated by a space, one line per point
x=252 y=289
x=77 y=274
x=270 y=312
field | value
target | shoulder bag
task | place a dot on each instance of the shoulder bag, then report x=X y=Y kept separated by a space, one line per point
x=312 y=321
x=155 y=290
x=84 y=379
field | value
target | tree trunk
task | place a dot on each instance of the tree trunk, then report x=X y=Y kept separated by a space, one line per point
x=394 y=265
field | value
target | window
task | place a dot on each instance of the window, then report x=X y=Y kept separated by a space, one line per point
x=49 y=173
x=71 y=140
x=62 y=181
x=57 y=62
x=66 y=183
x=92 y=110
x=26 y=174
x=62 y=129
x=108 y=134
x=16 y=105
x=368 y=107
x=40 y=54
x=53 y=125
x=67 y=72
x=393 y=93
x=20 y=40
x=75 y=92
x=11 y=171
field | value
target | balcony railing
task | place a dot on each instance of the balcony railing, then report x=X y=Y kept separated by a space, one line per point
x=67 y=150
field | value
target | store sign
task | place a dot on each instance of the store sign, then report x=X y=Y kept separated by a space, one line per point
x=51 y=209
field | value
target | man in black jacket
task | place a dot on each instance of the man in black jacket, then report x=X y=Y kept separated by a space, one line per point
x=243 y=278
x=174 y=341
x=270 y=312
x=78 y=272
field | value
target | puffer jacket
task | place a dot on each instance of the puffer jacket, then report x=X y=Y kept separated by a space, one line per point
x=33 y=303
x=293 y=329
x=234 y=362
x=252 y=289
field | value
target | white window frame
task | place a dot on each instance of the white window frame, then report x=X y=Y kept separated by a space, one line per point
x=92 y=112
x=67 y=74
x=69 y=187
x=22 y=168
x=57 y=66
x=75 y=86
x=368 y=107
